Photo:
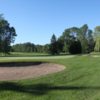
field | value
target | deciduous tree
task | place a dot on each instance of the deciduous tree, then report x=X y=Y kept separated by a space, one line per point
x=7 y=35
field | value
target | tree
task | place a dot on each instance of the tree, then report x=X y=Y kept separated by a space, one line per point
x=75 y=47
x=46 y=48
x=97 y=38
x=66 y=40
x=65 y=47
x=91 y=42
x=70 y=39
x=54 y=45
x=24 y=47
x=7 y=35
x=83 y=38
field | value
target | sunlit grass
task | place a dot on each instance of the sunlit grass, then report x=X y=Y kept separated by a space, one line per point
x=79 y=81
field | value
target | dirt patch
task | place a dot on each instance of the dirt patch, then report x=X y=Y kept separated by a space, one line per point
x=17 y=71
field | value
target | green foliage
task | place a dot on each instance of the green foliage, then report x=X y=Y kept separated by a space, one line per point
x=75 y=48
x=54 y=45
x=75 y=35
x=97 y=45
x=46 y=48
x=60 y=42
x=97 y=29
x=91 y=41
x=97 y=39
x=7 y=35
x=30 y=47
x=65 y=47
x=83 y=38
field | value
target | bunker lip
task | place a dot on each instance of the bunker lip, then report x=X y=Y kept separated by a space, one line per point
x=19 y=64
x=26 y=70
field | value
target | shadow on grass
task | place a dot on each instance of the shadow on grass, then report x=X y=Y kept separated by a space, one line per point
x=41 y=89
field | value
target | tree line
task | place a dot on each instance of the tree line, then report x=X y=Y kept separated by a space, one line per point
x=30 y=47
x=74 y=40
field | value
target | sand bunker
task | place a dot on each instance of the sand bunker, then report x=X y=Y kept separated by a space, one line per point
x=17 y=71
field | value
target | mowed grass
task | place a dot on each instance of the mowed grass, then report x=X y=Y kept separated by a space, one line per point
x=79 y=81
x=23 y=54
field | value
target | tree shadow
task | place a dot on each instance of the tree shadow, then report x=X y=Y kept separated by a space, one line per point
x=37 y=89
x=41 y=89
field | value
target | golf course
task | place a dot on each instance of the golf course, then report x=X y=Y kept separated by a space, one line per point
x=49 y=50
x=79 y=80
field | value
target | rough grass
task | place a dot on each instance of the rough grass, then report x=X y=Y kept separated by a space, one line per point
x=79 y=81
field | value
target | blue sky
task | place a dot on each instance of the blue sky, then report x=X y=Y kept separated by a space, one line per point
x=36 y=20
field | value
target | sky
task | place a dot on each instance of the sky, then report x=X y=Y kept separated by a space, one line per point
x=36 y=21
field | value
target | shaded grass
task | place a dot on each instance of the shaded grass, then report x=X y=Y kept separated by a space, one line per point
x=79 y=81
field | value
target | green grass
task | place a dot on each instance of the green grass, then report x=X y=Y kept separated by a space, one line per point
x=23 y=54
x=79 y=81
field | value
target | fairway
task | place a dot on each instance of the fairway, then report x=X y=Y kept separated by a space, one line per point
x=78 y=81
x=49 y=50
x=40 y=57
